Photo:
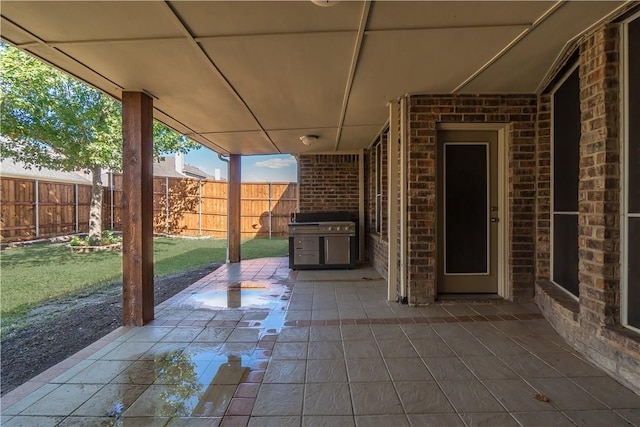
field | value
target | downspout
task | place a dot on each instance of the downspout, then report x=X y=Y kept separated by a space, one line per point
x=222 y=158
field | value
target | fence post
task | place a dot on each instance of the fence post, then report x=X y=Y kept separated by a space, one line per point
x=166 y=195
x=77 y=207
x=36 y=208
x=270 y=208
x=199 y=207
x=111 y=185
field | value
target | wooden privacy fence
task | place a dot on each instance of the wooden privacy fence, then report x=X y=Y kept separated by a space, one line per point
x=34 y=209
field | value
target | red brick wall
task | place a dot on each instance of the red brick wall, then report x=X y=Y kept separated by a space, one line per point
x=329 y=182
x=425 y=112
x=592 y=324
x=599 y=185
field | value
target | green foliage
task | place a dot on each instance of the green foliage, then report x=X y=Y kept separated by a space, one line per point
x=36 y=273
x=108 y=237
x=56 y=121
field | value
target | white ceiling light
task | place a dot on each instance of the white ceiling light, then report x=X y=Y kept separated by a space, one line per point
x=325 y=3
x=308 y=139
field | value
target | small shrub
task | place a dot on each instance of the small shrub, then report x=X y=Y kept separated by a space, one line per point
x=109 y=238
x=78 y=241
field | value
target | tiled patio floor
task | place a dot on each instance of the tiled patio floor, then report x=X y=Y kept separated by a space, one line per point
x=259 y=345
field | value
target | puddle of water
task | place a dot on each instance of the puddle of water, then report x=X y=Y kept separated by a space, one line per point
x=191 y=387
x=243 y=295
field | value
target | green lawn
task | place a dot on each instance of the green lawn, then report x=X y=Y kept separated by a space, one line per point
x=32 y=274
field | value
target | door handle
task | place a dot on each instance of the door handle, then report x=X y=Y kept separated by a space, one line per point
x=495 y=219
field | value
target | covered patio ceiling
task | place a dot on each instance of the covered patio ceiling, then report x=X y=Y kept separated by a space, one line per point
x=246 y=77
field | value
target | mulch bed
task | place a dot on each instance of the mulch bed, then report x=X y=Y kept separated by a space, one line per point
x=59 y=328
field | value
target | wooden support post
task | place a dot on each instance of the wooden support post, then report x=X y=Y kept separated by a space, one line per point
x=234 y=208
x=137 y=205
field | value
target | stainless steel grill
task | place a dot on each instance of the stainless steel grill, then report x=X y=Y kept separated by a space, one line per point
x=322 y=244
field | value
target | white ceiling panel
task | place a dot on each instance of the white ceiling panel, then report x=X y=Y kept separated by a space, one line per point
x=524 y=66
x=242 y=142
x=176 y=74
x=58 y=21
x=441 y=59
x=290 y=81
x=266 y=17
x=356 y=137
x=441 y=14
x=251 y=77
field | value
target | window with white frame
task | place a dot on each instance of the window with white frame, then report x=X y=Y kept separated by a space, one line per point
x=631 y=179
x=566 y=170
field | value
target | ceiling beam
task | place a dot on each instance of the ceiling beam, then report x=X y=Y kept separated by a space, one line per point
x=556 y=6
x=352 y=71
x=211 y=64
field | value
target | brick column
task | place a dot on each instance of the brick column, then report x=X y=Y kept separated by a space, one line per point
x=599 y=187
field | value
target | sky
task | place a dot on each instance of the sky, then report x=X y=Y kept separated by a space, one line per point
x=276 y=168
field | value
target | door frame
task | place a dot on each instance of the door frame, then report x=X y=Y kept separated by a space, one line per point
x=502 y=130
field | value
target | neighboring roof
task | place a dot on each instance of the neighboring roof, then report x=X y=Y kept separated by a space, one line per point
x=9 y=168
x=166 y=166
x=195 y=172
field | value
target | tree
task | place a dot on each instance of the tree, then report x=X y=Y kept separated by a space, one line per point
x=52 y=120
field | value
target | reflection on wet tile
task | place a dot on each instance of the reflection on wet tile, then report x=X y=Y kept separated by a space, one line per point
x=111 y=401
x=213 y=335
x=128 y=351
x=31 y=421
x=149 y=333
x=194 y=422
x=420 y=397
x=327 y=399
x=279 y=399
x=63 y=400
x=244 y=335
x=182 y=334
x=375 y=399
x=28 y=400
x=139 y=372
